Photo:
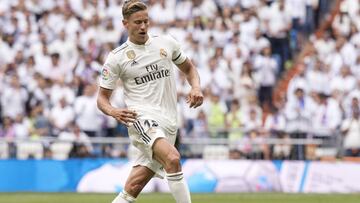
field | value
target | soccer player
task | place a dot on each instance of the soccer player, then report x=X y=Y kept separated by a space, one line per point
x=145 y=65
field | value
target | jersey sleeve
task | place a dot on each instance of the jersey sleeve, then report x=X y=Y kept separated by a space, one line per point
x=110 y=72
x=178 y=56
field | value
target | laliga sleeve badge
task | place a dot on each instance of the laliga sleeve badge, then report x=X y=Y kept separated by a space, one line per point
x=105 y=74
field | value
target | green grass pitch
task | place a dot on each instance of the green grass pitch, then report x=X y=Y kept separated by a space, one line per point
x=167 y=198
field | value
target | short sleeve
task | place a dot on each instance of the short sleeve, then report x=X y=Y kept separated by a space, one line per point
x=110 y=72
x=178 y=56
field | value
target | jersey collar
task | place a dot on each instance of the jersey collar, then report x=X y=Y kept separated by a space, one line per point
x=137 y=45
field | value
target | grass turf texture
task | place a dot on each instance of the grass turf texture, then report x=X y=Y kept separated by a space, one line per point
x=167 y=198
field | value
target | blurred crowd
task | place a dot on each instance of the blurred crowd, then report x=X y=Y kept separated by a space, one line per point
x=325 y=94
x=51 y=53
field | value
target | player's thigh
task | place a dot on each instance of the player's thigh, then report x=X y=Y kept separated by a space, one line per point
x=164 y=152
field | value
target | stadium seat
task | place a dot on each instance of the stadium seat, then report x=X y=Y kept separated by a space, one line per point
x=26 y=150
x=325 y=152
x=216 y=152
x=60 y=150
x=4 y=150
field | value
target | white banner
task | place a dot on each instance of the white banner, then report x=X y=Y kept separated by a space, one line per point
x=337 y=177
x=291 y=176
x=238 y=176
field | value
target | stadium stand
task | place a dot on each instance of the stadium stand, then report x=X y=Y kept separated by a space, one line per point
x=51 y=53
x=213 y=152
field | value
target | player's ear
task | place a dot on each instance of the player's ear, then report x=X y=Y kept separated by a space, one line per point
x=125 y=23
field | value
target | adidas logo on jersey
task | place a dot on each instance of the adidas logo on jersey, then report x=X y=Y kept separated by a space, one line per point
x=134 y=63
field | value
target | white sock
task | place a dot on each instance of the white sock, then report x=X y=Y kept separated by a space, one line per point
x=124 y=197
x=178 y=187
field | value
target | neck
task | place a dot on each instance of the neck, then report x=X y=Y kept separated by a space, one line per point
x=139 y=42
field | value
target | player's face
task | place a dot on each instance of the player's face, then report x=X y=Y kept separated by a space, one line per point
x=137 y=25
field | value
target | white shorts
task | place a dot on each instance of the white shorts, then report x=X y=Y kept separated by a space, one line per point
x=143 y=134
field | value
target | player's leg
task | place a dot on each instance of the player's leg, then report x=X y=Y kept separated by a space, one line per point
x=166 y=154
x=138 y=178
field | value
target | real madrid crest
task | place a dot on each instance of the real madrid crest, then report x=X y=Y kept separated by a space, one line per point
x=163 y=53
x=131 y=54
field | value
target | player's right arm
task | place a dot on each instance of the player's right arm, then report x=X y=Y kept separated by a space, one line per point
x=109 y=76
x=122 y=115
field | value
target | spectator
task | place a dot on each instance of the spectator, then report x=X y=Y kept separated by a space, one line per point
x=200 y=126
x=162 y=12
x=266 y=69
x=277 y=26
x=66 y=49
x=28 y=145
x=88 y=117
x=40 y=91
x=350 y=128
x=317 y=79
x=298 y=113
x=251 y=104
x=216 y=116
x=26 y=72
x=7 y=130
x=355 y=69
x=72 y=143
x=245 y=85
x=325 y=120
x=39 y=123
x=344 y=83
x=234 y=122
x=300 y=80
x=61 y=115
x=252 y=122
x=13 y=99
x=342 y=22
x=61 y=90
x=87 y=69
x=21 y=127
x=275 y=122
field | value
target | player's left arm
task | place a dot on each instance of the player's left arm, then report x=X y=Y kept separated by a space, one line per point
x=195 y=97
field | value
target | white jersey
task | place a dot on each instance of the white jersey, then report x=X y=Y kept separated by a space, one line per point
x=147 y=72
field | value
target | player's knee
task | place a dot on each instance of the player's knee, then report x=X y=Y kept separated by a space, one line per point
x=173 y=163
x=134 y=188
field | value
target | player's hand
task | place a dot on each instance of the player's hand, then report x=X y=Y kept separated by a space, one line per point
x=195 y=98
x=124 y=116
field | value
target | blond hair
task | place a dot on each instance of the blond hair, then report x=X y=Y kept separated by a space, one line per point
x=132 y=6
